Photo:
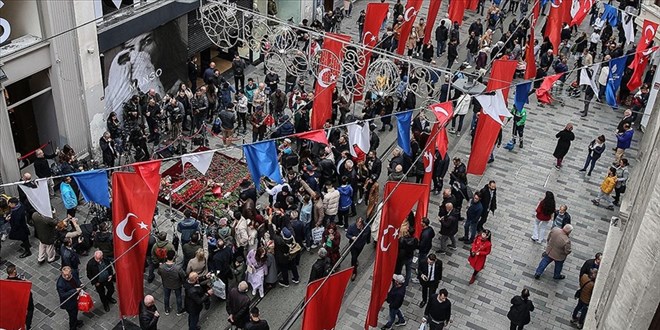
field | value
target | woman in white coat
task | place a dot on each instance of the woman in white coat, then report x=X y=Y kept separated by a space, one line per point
x=462 y=108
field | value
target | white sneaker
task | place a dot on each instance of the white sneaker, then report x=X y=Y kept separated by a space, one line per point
x=360 y=201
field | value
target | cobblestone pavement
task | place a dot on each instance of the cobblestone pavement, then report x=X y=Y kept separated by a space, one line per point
x=522 y=175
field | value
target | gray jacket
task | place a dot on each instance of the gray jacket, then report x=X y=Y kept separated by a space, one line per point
x=171 y=275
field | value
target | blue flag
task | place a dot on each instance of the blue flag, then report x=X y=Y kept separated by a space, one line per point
x=617 y=66
x=611 y=15
x=522 y=97
x=94 y=186
x=261 y=160
x=403 y=129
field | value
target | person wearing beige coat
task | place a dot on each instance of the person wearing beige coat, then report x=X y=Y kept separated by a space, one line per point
x=558 y=248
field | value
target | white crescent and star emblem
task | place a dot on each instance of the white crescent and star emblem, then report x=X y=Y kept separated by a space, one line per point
x=428 y=161
x=552 y=3
x=441 y=110
x=367 y=40
x=322 y=82
x=382 y=238
x=121 y=228
x=410 y=14
x=651 y=33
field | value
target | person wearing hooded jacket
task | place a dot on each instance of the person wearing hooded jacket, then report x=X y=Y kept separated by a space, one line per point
x=462 y=107
x=345 y=201
x=521 y=306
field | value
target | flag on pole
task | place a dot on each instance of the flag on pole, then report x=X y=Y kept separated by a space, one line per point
x=324 y=299
x=628 y=23
x=403 y=131
x=94 y=186
x=530 y=58
x=443 y=112
x=374 y=17
x=428 y=159
x=315 y=135
x=37 y=193
x=14 y=303
x=457 y=10
x=134 y=198
x=329 y=68
x=611 y=15
x=543 y=93
x=409 y=16
x=261 y=159
x=642 y=54
x=359 y=139
x=434 y=8
x=501 y=76
x=589 y=78
x=200 y=160
x=489 y=124
x=617 y=66
x=397 y=205
x=554 y=24
x=585 y=8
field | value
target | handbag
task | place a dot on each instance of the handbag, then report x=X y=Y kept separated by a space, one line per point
x=85 y=302
x=294 y=248
x=578 y=292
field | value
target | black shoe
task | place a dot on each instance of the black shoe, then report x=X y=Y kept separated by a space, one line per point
x=382 y=129
x=106 y=307
x=391 y=127
x=491 y=160
x=583 y=170
x=79 y=323
x=25 y=254
x=41 y=262
x=463 y=239
x=112 y=300
x=560 y=277
x=536 y=277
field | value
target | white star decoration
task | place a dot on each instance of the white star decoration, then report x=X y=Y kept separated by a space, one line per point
x=395 y=234
x=142 y=225
x=333 y=77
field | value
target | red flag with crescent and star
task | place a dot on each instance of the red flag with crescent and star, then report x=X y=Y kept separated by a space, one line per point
x=409 y=16
x=554 y=23
x=642 y=54
x=585 y=8
x=326 y=79
x=442 y=111
x=399 y=200
x=530 y=58
x=434 y=8
x=428 y=158
x=134 y=198
x=374 y=17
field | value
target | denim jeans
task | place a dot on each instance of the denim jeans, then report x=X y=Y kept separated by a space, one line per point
x=308 y=234
x=582 y=309
x=545 y=262
x=590 y=162
x=193 y=320
x=470 y=228
x=460 y=122
x=179 y=299
x=394 y=313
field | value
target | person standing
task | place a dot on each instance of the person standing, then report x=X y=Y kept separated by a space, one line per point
x=562 y=218
x=519 y=312
x=559 y=247
x=19 y=230
x=172 y=277
x=12 y=275
x=425 y=241
x=238 y=305
x=595 y=150
x=357 y=239
x=69 y=197
x=149 y=314
x=519 y=119
x=449 y=228
x=438 y=311
x=564 y=137
x=480 y=250
x=606 y=188
x=429 y=274
x=591 y=264
x=187 y=227
x=441 y=36
x=108 y=149
x=238 y=67
x=623 y=141
x=545 y=211
x=345 y=202
x=488 y=196
x=621 y=180
x=472 y=217
x=68 y=289
x=99 y=272
x=256 y=323
x=45 y=231
x=196 y=298
x=395 y=298
x=452 y=52
x=587 y=282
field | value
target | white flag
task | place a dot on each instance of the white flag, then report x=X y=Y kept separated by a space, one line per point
x=358 y=135
x=628 y=23
x=494 y=105
x=201 y=160
x=37 y=193
x=575 y=8
x=589 y=77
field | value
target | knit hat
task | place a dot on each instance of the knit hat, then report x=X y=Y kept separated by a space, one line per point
x=286 y=233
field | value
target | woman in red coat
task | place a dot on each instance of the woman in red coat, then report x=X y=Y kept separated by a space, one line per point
x=331 y=240
x=480 y=249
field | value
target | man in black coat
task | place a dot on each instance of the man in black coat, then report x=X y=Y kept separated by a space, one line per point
x=374 y=164
x=395 y=299
x=447 y=198
x=68 y=288
x=12 y=275
x=448 y=229
x=407 y=246
x=488 y=201
x=429 y=274
x=441 y=36
x=238 y=305
x=221 y=260
x=100 y=274
x=440 y=168
x=149 y=314
x=438 y=311
x=321 y=266
x=425 y=240
x=195 y=299
x=42 y=168
x=591 y=264
x=19 y=229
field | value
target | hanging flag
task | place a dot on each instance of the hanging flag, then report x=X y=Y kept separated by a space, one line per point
x=442 y=111
x=457 y=10
x=374 y=17
x=501 y=76
x=409 y=16
x=589 y=78
x=554 y=24
x=261 y=159
x=400 y=199
x=489 y=124
x=566 y=10
x=133 y=205
x=403 y=131
x=536 y=11
x=628 y=21
x=543 y=93
x=428 y=158
x=359 y=138
x=585 y=8
x=37 y=193
x=442 y=142
x=434 y=8
x=14 y=304
x=315 y=135
x=575 y=8
x=323 y=299
x=617 y=66
x=94 y=186
x=642 y=54
x=522 y=94
x=200 y=160
x=472 y=4
x=530 y=58
x=610 y=14
x=329 y=68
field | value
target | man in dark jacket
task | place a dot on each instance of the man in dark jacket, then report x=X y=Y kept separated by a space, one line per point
x=42 y=168
x=395 y=300
x=256 y=323
x=19 y=229
x=488 y=196
x=149 y=314
x=238 y=305
x=448 y=229
x=452 y=52
x=441 y=36
x=429 y=274
x=359 y=238
x=440 y=167
x=103 y=241
x=12 y=275
x=321 y=266
x=221 y=260
x=407 y=246
x=172 y=277
x=45 y=231
x=195 y=300
x=69 y=256
x=591 y=264
x=68 y=288
x=438 y=311
x=425 y=241
x=473 y=214
x=520 y=308
x=447 y=198
x=99 y=272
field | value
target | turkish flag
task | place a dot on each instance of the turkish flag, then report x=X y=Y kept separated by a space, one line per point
x=543 y=92
x=133 y=203
x=442 y=111
x=429 y=160
x=638 y=65
x=374 y=17
x=398 y=203
x=530 y=59
x=14 y=303
x=326 y=79
x=434 y=8
x=409 y=15
x=315 y=135
x=566 y=10
x=501 y=76
x=585 y=8
x=489 y=124
x=442 y=142
x=473 y=4
x=554 y=24
x=457 y=10
x=323 y=300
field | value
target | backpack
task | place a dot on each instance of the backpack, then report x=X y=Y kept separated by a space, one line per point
x=161 y=253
